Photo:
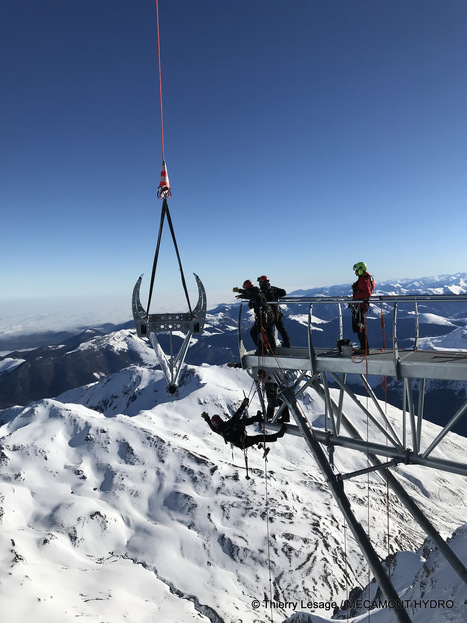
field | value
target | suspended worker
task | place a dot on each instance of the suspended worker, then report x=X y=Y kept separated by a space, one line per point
x=273 y=293
x=362 y=290
x=233 y=430
x=264 y=318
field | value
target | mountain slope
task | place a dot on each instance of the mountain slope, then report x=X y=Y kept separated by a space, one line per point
x=118 y=503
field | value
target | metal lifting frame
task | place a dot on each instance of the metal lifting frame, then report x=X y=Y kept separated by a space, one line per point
x=148 y=325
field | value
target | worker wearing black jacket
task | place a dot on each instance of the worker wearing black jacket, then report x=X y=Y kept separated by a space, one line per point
x=233 y=430
x=264 y=317
x=273 y=293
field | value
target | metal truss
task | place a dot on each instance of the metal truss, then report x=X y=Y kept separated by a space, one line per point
x=295 y=369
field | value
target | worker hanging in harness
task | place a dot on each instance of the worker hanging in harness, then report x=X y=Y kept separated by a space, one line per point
x=233 y=430
x=362 y=290
x=264 y=318
x=273 y=293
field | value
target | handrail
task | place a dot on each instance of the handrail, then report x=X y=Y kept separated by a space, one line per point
x=395 y=300
x=385 y=298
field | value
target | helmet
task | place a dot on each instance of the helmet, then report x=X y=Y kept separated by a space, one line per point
x=262 y=278
x=360 y=268
x=216 y=420
x=248 y=284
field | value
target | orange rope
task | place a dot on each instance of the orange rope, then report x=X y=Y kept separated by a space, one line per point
x=265 y=344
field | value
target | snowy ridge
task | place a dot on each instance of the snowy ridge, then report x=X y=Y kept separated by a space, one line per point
x=436 y=284
x=117 y=504
x=92 y=354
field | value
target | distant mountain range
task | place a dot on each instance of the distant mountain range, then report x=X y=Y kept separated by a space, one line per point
x=118 y=503
x=73 y=360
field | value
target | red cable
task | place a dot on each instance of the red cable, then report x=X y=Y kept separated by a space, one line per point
x=160 y=79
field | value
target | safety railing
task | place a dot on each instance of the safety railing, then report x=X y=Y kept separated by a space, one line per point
x=383 y=300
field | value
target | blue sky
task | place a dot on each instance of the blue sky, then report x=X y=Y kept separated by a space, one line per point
x=300 y=137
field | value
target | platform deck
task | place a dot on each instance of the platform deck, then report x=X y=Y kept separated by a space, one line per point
x=408 y=363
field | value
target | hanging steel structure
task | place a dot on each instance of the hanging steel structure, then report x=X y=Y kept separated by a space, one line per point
x=295 y=369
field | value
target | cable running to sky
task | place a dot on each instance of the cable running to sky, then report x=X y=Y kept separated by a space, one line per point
x=147 y=325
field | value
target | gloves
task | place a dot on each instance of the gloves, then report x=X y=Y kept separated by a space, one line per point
x=245 y=402
x=205 y=416
x=236 y=289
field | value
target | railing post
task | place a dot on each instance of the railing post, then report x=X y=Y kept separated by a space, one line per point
x=396 y=357
x=311 y=350
x=417 y=326
x=341 y=329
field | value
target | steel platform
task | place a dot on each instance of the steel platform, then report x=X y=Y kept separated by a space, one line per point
x=295 y=369
x=399 y=364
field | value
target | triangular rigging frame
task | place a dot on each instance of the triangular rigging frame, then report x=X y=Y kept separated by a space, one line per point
x=190 y=323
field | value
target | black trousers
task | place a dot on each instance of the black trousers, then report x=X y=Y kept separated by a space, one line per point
x=359 y=326
x=254 y=439
x=283 y=332
x=269 y=330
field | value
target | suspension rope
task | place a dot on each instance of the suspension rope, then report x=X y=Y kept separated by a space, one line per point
x=272 y=351
x=346 y=570
x=165 y=213
x=164 y=191
x=385 y=388
x=265 y=345
x=268 y=535
x=160 y=77
x=266 y=490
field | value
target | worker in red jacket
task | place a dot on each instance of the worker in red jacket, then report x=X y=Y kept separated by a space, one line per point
x=362 y=290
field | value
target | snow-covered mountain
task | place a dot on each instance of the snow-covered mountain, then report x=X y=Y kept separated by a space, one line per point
x=82 y=358
x=118 y=504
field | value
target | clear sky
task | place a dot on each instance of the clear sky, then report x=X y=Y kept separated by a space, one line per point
x=300 y=137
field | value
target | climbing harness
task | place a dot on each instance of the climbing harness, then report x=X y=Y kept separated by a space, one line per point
x=190 y=323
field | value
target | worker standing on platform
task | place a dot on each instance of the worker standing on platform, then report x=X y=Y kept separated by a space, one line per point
x=362 y=290
x=273 y=293
x=264 y=317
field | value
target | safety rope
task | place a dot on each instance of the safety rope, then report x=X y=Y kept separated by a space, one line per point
x=265 y=342
x=368 y=490
x=265 y=346
x=384 y=385
x=385 y=388
x=367 y=457
x=268 y=535
x=346 y=570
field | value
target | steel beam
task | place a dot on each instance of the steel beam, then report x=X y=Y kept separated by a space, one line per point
x=337 y=490
x=402 y=456
x=408 y=502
